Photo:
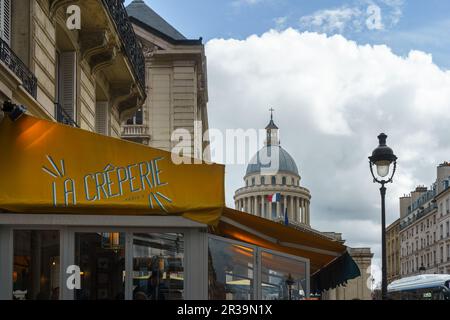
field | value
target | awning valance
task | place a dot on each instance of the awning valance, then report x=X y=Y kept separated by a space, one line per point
x=47 y=167
x=327 y=256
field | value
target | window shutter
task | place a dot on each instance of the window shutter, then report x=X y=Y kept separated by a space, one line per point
x=101 y=117
x=67 y=82
x=5 y=21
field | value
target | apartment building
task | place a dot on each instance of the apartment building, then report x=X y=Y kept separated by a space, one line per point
x=424 y=227
x=78 y=63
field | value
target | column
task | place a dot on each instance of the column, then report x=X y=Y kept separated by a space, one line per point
x=262 y=206
x=291 y=209
x=246 y=201
x=278 y=209
x=302 y=210
x=255 y=205
x=307 y=213
x=295 y=209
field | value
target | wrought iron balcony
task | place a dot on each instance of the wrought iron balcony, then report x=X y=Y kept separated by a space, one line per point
x=13 y=62
x=130 y=44
x=62 y=116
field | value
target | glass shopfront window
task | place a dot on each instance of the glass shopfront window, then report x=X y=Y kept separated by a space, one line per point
x=231 y=271
x=233 y=274
x=36 y=265
x=282 y=278
x=158 y=266
x=101 y=258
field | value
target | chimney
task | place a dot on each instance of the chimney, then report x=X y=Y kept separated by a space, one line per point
x=443 y=174
x=405 y=202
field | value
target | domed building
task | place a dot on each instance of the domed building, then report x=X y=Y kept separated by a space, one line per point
x=272 y=184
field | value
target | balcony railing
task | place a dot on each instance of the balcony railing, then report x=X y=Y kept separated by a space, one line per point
x=135 y=131
x=420 y=214
x=13 y=62
x=130 y=43
x=63 y=117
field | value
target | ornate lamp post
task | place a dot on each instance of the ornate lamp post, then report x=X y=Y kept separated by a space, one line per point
x=382 y=158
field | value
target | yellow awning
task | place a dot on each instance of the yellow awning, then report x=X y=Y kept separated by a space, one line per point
x=319 y=249
x=47 y=167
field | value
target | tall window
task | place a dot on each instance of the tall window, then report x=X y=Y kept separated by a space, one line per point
x=102 y=117
x=283 y=181
x=274 y=181
x=137 y=119
x=101 y=258
x=158 y=266
x=5 y=21
x=66 y=86
x=263 y=180
x=36 y=265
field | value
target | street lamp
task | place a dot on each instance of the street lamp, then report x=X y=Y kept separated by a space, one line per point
x=382 y=158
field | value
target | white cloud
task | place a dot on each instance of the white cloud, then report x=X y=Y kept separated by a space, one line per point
x=332 y=98
x=280 y=22
x=238 y=3
x=355 y=17
x=332 y=20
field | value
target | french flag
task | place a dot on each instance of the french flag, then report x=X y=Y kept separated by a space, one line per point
x=274 y=197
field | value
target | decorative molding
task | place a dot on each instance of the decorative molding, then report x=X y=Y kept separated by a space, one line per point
x=149 y=51
x=125 y=99
x=55 y=5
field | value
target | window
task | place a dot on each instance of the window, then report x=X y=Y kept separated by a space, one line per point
x=283 y=181
x=263 y=180
x=293 y=181
x=101 y=258
x=36 y=265
x=253 y=181
x=442 y=231
x=448 y=228
x=66 y=87
x=101 y=117
x=230 y=264
x=5 y=21
x=158 y=266
x=276 y=271
x=137 y=119
x=274 y=181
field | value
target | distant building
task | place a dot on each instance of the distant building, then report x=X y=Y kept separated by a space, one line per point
x=424 y=227
x=176 y=83
x=393 y=251
x=284 y=180
x=262 y=183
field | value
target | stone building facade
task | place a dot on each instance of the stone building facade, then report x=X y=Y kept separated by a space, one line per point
x=91 y=77
x=176 y=83
x=393 y=251
x=424 y=230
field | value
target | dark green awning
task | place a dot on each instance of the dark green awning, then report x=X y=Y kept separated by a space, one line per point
x=335 y=274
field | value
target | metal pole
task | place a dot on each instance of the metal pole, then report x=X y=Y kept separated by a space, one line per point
x=383 y=244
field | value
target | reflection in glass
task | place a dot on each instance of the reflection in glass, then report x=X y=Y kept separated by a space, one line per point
x=36 y=265
x=230 y=271
x=101 y=257
x=158 y=266
x=282 y=278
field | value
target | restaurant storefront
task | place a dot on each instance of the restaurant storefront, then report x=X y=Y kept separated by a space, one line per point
x=89 y=217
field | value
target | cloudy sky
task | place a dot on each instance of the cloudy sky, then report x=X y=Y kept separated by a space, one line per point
x=338 y=73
